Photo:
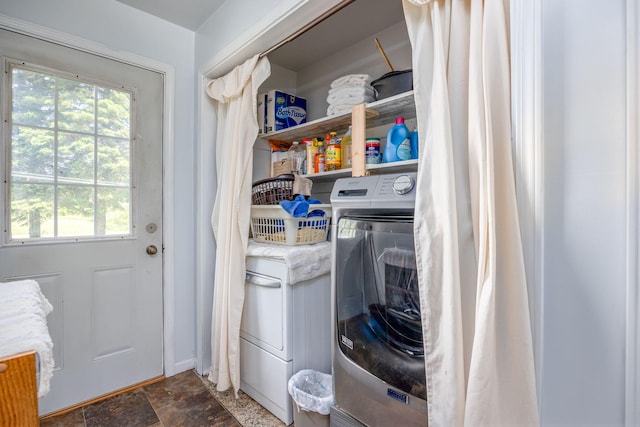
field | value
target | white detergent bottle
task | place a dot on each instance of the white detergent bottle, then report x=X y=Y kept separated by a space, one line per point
x=398 y=143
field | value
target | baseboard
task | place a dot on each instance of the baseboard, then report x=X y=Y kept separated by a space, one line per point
x=185 y=365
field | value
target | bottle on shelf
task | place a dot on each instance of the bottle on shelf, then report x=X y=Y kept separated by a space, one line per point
x=333 y=161
x=415 y=143
x=345 y=150
x=398 y=143
x=296 y=155
x=312 y=150
x=320 y=160
x=372 y=151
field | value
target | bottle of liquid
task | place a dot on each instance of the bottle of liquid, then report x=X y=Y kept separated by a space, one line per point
x=415 y=143
x=320 y=160
x=312 y=150
x=296 y=155
x=333 y=152
x=345 y=148
x=398 y=143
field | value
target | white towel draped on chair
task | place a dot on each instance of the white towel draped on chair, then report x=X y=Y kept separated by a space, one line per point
x=23 y=326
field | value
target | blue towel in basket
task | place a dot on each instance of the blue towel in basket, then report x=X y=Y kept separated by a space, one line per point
x=299 y=207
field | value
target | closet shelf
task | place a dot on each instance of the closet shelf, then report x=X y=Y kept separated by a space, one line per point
x=378 y=113
x=372 y=169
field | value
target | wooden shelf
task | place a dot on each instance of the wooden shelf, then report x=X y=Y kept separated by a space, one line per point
x=395 y=167
x=329 y=176
x=373 y=169
x=378 y=113
x=362 y=116
x=385 y=111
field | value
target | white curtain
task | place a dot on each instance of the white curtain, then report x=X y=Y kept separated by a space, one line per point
x=235 y=98
x=475 y=313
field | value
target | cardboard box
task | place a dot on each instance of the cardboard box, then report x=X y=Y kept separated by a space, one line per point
x=281 y=167
x=262 y=113
x=280 y=163
x=284 y=110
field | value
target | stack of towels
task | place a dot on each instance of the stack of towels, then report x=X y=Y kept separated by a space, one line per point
x=349 y=90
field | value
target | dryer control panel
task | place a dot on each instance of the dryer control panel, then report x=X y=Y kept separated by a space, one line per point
x=395 y=191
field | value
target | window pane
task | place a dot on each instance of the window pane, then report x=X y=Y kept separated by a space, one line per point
x=70 y=157
x=113 y=211
x=114 y=112
x=33 y=98
x=113 y=161
x=31 y=211
x=76 y=106
x=32 y=154
x=75 y=157
x=75 y=210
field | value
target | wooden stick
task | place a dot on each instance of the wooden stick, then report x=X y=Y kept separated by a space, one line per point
x=358 y=128
x=384 y=55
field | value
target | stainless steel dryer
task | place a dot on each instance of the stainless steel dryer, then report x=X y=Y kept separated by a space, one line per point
x=378 y=356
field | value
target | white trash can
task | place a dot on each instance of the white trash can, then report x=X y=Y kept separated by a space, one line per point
x=312 y=394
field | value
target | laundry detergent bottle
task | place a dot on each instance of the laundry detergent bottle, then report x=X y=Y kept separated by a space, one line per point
x=398 y=143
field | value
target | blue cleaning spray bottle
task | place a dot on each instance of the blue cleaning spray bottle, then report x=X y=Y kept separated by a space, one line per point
x=398 y=143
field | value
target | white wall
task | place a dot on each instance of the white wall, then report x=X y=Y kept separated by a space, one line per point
x=584 y=112
x=231 y=26
x=580 y=204
x=121 y=28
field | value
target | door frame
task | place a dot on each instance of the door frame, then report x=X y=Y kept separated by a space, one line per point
x=168 y=72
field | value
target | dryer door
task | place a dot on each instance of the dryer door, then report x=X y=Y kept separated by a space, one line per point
x=377 y=304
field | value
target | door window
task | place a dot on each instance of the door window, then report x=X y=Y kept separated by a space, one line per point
x=70 y=155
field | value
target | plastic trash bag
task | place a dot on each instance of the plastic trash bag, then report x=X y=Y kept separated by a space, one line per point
x=312 y=391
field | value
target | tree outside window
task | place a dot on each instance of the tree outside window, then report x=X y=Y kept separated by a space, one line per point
x=70 y=151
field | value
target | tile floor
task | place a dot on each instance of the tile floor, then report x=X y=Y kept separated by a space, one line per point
x=186 y=399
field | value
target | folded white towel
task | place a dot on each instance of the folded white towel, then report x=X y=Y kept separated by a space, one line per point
x=351 y=100
x=352 y=80
x=355 y=91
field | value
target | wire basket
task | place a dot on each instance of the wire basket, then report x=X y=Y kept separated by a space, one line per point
x=272 y=224
x=272 y=191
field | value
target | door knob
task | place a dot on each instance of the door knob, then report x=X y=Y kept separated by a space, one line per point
x=152 y=250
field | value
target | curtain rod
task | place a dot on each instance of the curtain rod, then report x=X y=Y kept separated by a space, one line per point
x=307 y=27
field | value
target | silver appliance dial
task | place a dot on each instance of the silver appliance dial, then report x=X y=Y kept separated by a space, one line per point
x=403 y=184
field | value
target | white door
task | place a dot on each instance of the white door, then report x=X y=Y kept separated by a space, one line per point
x=82 y=194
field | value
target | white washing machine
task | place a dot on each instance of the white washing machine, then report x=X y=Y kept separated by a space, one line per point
x=286 y=327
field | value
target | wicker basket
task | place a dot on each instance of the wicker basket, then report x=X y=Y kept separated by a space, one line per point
x=272 y=224
x=272 y=191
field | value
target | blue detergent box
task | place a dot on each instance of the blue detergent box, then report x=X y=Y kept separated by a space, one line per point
x=284 y=110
